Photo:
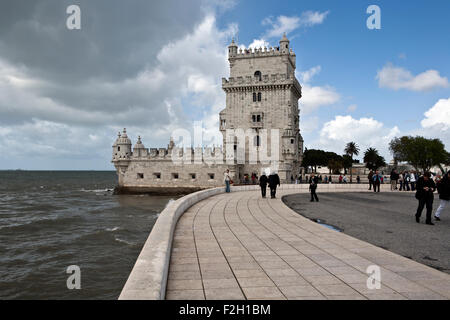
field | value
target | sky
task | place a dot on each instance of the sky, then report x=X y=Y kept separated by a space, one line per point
x=156 y=66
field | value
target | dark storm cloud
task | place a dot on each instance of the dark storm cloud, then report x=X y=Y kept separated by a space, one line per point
x=93 y=76
x=117 y=37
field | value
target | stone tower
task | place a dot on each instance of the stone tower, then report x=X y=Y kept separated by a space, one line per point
x=262 y=93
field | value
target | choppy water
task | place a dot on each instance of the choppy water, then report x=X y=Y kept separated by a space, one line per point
x=50 y=220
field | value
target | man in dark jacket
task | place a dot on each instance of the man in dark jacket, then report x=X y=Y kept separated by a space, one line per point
x=263 y=184
x=376 y=181
x=394 y=177
x=274 y=181
x=444 y=194
x=313 y=187
x=424 y=193
x=370 y=176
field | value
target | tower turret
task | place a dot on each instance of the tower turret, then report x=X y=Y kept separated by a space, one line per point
x=284 y=44
x=232 y=49
x=139 y=149
x=122 y=146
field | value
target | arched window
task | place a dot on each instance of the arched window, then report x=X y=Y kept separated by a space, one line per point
x=254 y=96
x=258 y=75
x=259 y=96
x=258 y=118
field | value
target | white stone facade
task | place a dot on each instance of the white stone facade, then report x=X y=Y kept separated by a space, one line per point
x=262 y=96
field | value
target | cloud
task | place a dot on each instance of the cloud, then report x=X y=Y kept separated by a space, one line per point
x=172 y=76
x=314 y=97
x=366 y=132
x=436 y=123
x=439 y=114
x=397 y=78
x=284 y=24
x=306 y=76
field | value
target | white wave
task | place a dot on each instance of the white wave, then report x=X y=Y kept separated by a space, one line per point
x=112 y=229
x=124 y=241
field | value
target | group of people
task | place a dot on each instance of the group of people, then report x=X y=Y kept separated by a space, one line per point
x=425 y=189
x=424 y=185
x=375 y=180
x=406 y=179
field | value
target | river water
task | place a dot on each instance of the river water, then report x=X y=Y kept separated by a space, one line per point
x=50 y=220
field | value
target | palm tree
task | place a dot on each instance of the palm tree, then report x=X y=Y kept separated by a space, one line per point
x=373 y=159
x=351 y=149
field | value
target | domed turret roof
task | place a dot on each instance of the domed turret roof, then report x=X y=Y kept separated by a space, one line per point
x=139 y=144
x=232 y=44
x=123 y=138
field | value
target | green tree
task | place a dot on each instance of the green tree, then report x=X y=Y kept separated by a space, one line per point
x=420 y=152
x=373 y=159
x=347 y=163
x=335 y=165
x=313 y=158
x=351 y=149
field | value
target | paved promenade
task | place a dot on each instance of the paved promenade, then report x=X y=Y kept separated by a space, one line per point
x=239 y=246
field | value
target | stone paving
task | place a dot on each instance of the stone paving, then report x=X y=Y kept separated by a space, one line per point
x=240 y=246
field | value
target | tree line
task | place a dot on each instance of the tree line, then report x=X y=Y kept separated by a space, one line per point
x=420 y=152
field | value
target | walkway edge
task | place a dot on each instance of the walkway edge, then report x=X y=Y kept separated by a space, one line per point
x=148 y=278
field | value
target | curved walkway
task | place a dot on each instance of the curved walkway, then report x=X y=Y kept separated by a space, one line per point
x=240 y=246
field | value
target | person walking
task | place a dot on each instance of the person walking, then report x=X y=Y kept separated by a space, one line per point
x=406 y=181
x=376 y=180
x=412 y=181
x=358 y=179
x=443 y=188
x=394 y=178
x=313 y=187
x=370 y=177
x=227 y=180
x=400 y=180
x=274 y=181
x=424 y=193
x=263 y=184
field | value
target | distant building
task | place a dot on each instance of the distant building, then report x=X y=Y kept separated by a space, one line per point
x=262 y=96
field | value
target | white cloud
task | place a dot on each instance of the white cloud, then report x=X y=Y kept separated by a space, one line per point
x=438 y=115
x=310 y=18
x=284 y=24
x=258 y=43
x=436 y=123
x=397 y=78
x=314 y=97
x=306 y=76
x=366 y=132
